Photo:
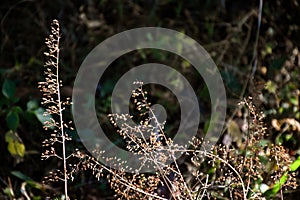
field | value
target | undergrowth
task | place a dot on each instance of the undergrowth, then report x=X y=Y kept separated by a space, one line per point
x=253 y=169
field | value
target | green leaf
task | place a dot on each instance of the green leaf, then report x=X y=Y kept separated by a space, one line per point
x=21 y=176
x=12 y=119
x=279 y=139
x=39 y=113
x=32 y=105
x=17 y=109
x=15 y=144
x=8 y=191
x=276 y=188
x=204 y=93
x=14 y=99
x=28 y=180
x=37 y=198
x=185 y=64
x=271 y=87
x=8 y=88
x=264 y=142
x=295 y=165
x=283 y=179
x=294 y=100
x=279 y=183
x=268 y=49
x=288 y=136
x=35 y=184
x=212 y=170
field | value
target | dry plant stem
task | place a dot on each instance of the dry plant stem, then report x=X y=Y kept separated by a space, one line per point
x=205 y=186
x=233 y=169
x=205 y=153
x=172 y=152
x=125 y=182
x=52 y=96
x=149 y=156
x=177 y=171
x=157 y=163
x=61 y=122
x=237 y=180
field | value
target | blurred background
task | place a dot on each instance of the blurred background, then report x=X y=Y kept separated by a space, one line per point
x=256 y=56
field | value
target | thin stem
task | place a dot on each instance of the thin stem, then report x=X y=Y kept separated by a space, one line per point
x=61 y=120
x=206 y=182
x=225 y=162
x=169 y=146
x=125 y=182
